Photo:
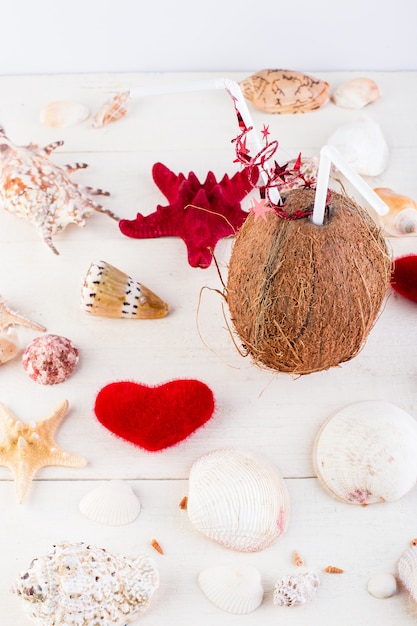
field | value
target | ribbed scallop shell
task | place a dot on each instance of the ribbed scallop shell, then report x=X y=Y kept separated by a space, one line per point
x=407 y=571
x=109 y=292
x=296 y=589
x=367 y=453
x=113 y=504
x=234 y=589
x=285 y=91
x=238 y=499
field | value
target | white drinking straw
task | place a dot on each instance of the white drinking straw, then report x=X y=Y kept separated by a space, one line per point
x=329 y=155
x=254 y=143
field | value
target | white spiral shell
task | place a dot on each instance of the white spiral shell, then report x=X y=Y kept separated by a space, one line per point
x=367 y=453
x=234 y=589
x=238 y=499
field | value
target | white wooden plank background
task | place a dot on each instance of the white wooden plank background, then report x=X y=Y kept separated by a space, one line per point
x=272 y=413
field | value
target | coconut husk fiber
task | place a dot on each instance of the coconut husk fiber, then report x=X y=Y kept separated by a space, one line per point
x=302 y=297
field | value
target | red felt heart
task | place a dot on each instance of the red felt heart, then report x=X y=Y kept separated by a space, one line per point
x=154 y=417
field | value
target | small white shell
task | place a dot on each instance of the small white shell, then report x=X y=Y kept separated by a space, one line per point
x=9 y=345
x=362 y=145
x=113 y=504
x=63 y=114
x=238 y=499
x=407 y=571
x=382 y=585
x=367 y=453
x=296 y=589
x=401 y=219
x=236 y=590
x=356 y=93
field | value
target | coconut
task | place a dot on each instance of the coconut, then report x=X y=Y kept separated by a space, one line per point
x=302 y=297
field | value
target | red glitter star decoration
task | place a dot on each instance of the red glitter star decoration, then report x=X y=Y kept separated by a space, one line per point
x=259 y=208
x=199 y=213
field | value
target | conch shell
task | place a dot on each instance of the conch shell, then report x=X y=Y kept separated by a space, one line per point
x=285 y=91
x=77 y=583
x=109 y=292
x=401 y=218
x=112 y=110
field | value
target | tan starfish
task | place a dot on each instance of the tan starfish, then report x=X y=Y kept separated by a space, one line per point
x=26 y=448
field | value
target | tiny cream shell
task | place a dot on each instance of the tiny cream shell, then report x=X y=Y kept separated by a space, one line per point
x=63 y=114
x=9 y=345
x=296 y=589
x=356 y=93
x=401 y=219
x=367 y=453
x=234 y=589
x=407 y=571
x=238 y=499
x=362 y=144
x=113 y=504
x=382 y=585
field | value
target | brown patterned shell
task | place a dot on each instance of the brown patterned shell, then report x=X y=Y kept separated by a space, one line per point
x=285 y=91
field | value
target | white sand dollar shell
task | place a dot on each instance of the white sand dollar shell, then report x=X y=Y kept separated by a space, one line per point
x=367 y=453
x=238 y=499
x=236 y=590
x=112 y=504
x=382 y=585
x=363 y=146
x=407 y=571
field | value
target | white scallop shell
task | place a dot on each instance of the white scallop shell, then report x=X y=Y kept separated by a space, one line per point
x=362 y=145
x=407 y=571
x=113 y=504
x=236 y=590
x=367 y=452
x=63 y=114
x=238 y=499
x=296 y=589
x=382 y=585
x=356 y=93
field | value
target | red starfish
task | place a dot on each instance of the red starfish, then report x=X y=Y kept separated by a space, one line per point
x=199 y=213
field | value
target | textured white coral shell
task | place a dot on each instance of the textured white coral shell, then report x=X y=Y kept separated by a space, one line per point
x=407 y=571
x=367 y=453
x=296 y=589
x=113 y=504
x=363 y=146
x=78 y=583
x=238 y=499
x=356 y=93
x=234 y=589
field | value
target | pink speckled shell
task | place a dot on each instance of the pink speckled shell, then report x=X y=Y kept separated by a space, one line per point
x=50 y=359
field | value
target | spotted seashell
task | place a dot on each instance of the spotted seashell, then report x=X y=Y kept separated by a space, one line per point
x=238 y=499
x=296 y=589
x=367 y=453
x=234 y=589
x=77 y=583
x=109 y=292
x=63 y=114
x=113 y=504
x=285 y=91
x=356 y=93
x=112 y=110
x=34 y=188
